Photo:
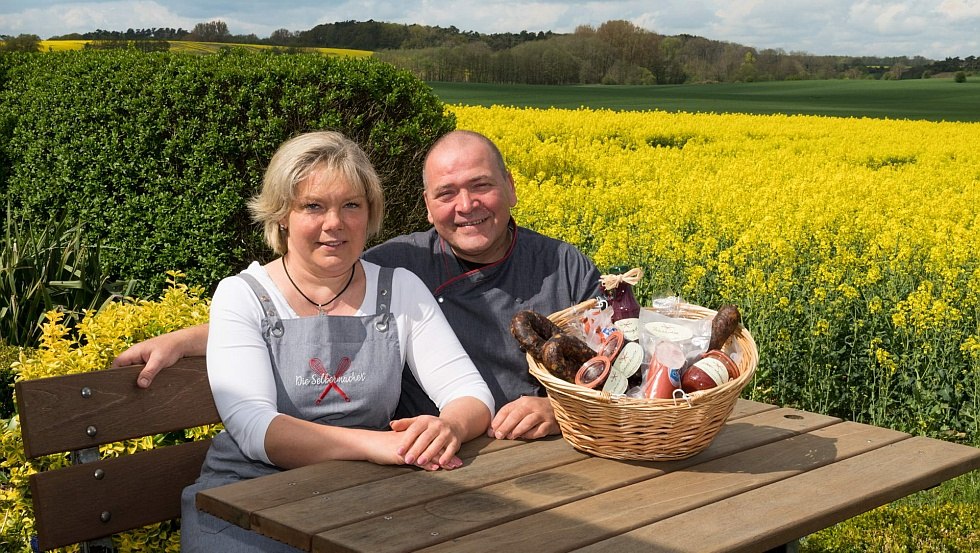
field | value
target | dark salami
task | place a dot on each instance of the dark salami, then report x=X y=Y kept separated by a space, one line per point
x=563 y=355
x=532 y=330
x=724 y=324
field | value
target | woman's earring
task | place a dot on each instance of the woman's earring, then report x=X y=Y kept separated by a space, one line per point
x=282 y=228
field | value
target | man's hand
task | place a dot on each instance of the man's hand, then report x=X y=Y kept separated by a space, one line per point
x=163 y=351
x=526 y=417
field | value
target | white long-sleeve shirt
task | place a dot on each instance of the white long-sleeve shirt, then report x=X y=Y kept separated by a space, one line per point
x=240 y=369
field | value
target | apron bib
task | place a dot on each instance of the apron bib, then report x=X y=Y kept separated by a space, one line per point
x=337 y=370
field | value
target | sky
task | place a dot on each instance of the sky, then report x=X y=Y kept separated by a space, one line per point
x=933 y=29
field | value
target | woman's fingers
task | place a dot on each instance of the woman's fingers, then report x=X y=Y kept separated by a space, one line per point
x=427 y=442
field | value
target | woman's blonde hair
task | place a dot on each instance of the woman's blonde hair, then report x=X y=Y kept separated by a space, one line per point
x=294 y=161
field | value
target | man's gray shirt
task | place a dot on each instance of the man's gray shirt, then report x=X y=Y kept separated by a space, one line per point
x=538 y=273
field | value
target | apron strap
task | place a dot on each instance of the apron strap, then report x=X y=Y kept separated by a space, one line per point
x=384 y=298
x=272 y=322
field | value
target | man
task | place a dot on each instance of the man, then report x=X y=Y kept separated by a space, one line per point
x=481 y=267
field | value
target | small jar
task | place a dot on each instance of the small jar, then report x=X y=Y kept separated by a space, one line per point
x=712 y=369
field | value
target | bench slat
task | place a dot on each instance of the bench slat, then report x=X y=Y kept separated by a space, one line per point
x=55 y=415
x=135 y=490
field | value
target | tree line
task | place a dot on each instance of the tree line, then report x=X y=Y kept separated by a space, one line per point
x=615 y=52
x=619 y=52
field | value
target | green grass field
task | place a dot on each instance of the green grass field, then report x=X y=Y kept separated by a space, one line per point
x=937 y=99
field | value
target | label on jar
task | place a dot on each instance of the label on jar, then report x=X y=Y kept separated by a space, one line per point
x=627 y=363
x=630 y=328
x=615 y=384
x=714 y=368
x=669 y=331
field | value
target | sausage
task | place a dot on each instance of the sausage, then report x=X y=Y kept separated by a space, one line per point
x=723 y=325
x=563 y=355
x=532 y=330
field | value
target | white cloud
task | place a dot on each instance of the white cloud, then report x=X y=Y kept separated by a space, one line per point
x=931 y=28
x=81 y=17
x=959 y=10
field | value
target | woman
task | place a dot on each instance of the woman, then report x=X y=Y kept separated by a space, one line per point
x=305 y=353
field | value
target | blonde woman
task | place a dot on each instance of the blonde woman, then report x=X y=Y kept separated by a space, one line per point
x=305 y=353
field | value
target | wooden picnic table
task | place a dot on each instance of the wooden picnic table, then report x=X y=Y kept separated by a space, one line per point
x=771 y=476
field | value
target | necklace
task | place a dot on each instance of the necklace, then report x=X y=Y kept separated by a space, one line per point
x=319 y=306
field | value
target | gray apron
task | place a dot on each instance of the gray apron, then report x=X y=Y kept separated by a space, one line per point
x=337 y=370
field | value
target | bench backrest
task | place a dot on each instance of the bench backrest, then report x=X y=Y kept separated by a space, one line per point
x=78 y=412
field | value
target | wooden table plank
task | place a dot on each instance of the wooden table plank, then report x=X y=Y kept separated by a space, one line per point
x=757 y=520
x=439 y=520
x=747 y=407
x=236 y=502
x=295 y=522
x=609 y=514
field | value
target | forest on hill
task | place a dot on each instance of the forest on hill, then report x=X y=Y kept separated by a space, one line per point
x=615 y=52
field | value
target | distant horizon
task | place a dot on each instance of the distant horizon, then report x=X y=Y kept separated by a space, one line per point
x=931 y=29
x=233 y=34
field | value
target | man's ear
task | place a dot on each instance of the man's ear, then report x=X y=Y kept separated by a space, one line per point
x=428 y=213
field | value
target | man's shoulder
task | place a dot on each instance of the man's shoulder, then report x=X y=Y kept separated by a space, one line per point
x=405 y=245
x=406 y=250
x=542 y=244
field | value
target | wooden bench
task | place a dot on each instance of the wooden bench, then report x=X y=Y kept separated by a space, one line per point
x=93 y=499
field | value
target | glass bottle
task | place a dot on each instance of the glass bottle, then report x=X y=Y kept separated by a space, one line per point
x=625 y=314
x=622 y=302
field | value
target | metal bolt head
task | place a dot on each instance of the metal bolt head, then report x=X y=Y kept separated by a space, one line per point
x=99 y=474
x=91 y=431
x=86 y=392
x=106 y=516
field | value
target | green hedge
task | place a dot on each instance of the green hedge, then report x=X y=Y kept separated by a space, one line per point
x=62 y=351
x=156 y=153
x=8 y=354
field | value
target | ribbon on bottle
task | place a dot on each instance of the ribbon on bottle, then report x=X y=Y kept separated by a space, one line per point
x=631 y=277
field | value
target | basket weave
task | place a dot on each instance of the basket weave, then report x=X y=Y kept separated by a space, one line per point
x=621 y=427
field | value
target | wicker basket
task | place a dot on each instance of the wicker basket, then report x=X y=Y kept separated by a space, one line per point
x=644 y=429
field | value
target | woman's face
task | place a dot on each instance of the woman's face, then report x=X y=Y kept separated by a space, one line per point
x=327 y=224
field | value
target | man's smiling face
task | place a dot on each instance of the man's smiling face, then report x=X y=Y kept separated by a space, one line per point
x=468 y=196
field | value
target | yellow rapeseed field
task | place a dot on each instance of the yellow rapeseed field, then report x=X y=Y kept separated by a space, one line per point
x=851 y=245
x=190 y=47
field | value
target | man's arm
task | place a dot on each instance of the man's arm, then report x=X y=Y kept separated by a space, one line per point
x=163 y=351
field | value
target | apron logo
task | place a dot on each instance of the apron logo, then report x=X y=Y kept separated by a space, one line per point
x=331 y=379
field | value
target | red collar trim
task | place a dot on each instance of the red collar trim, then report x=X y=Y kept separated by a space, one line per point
x=467 y=274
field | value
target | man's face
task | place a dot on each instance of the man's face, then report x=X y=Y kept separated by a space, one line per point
x=468 y=197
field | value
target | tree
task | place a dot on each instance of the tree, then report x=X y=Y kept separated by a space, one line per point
x=626 y=38
x=212 y=31
x=594 y=55
x=960 y=77
x=896 y=71
x=21 y=43
x=746 y=71
x=282 y=37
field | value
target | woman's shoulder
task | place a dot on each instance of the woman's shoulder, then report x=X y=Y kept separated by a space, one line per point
x=237 y=285
x=400 y=276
